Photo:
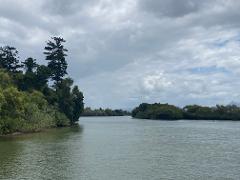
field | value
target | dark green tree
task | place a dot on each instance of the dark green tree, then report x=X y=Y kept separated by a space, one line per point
x=55 y=54
x=69 y=100
x=9 y=59
x=27 y=101
x=27 y=81
x=157 y=111
x=41 y=79
x=30 y=65
x=64 y=98
x=78 y=105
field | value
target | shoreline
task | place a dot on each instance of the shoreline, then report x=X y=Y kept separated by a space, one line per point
x=236 y=120
x=15 y=134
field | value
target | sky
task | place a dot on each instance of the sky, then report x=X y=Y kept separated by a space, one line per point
x=123 y=53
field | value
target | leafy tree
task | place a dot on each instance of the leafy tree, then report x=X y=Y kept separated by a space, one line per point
x=27 y=102
x=26 y=111
x=27 y=81
x=13 y=105
x=69 y=100
x=2 y=99
x=157 y=111
x=42 y=75
x=9 y=59
x=104 y=112
x=64 y=98
x=5 y=79
x=55 y=54
x=78 y=105
x=30 y=65
x=195 y=112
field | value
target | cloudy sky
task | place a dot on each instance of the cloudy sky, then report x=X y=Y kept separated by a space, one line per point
x=122 y=53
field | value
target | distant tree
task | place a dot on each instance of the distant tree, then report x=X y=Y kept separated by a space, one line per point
x=9 y=59
x=104 y=112
x=55 y=54
x=157 y=111
x=196 y=112
x=30 y=65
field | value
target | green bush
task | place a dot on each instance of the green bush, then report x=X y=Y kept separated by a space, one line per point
x=26 y=111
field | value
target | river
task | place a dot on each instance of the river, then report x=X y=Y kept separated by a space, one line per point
x=121 y=148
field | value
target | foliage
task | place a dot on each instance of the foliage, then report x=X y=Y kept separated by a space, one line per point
x=9 y=59
x=104 y=112
x=30 y=65
x=219 y=112
x=27 y=112
x=41 y=77
x=157 y=111
x=27 y=102
x=5 y=79
x=195 y=112
x=55 y=54
x=78 y=105
x=70 y=101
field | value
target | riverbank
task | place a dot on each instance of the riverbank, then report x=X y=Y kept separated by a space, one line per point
x=14 y=134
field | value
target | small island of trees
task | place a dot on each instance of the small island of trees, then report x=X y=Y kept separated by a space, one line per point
x=34 y=97
x=160 y=111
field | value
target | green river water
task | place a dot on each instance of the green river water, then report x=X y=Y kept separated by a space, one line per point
x=121 y=148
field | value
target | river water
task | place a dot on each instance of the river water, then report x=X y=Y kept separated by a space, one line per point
x=121 y=148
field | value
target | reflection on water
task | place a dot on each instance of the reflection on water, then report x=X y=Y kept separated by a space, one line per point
x=38 y=156
x=8 y=158
x=120 y=148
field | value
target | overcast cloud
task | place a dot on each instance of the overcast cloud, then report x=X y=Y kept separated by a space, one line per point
x=122 y=53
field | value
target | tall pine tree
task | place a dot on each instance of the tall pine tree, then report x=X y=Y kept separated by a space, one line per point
x=55 y=54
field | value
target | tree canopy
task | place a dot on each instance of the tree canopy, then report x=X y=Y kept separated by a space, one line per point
x=55 y=55
x=28 y=101
x=9 y=59
x=194 y=112
x=104 y=112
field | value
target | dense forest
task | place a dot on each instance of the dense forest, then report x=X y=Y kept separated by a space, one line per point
x=33 y=96
x=191 y=112
x=104 y=112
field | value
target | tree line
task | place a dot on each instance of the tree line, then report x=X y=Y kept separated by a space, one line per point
x=35 y=96
x=104 y=112
x=191 y=112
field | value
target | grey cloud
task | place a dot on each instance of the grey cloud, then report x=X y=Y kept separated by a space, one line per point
x=172 y=8
x=66 y=7
x=122 y=53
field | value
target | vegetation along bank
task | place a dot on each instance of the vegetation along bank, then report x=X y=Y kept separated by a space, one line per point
x=35 y=97
x=191 y=112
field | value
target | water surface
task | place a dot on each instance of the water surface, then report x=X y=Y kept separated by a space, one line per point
x=121 y=148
